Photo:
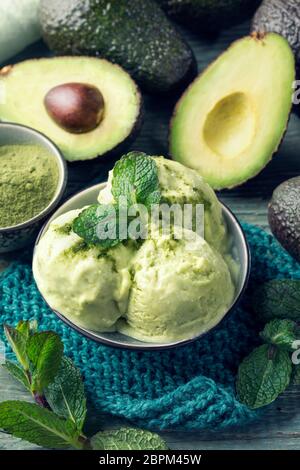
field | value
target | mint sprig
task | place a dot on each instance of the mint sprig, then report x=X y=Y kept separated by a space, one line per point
x=268 y=370
x=45 y=351
x=38 y=425
x=24 y=328
x=57 y=418
x=39 y=355
x=135 y=181
x=65 y=394
x=98 y=225
x=127 y=439
x=17 y=341
x=280 y=333
x=263 y=375
x=18 y=373
x=135 y=178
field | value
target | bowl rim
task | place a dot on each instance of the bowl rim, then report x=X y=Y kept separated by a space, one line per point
x=144 y=346
x=62 y=182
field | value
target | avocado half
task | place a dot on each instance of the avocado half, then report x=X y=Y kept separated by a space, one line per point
x=232 y=118
x=25 y=86
x=282 y=17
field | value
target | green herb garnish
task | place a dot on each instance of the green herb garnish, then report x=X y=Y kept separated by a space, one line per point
x=280 y=333
x=278 y=298
x=65 y=394
x=56 y=419
x=267 y=371
x=135 y=181
x=38 y=425
x=99 y=225
x=127 y=439
x=263 y=375
x=135 y=178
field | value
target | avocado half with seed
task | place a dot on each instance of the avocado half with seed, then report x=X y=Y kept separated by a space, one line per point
x=87 y=106
x=232 y=118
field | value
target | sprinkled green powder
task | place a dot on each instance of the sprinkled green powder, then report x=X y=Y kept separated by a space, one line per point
x=28 y=182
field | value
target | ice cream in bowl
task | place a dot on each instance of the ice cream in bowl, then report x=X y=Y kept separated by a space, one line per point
x=149 y=260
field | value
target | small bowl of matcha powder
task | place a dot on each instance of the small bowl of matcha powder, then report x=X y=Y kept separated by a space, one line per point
x=32 y=181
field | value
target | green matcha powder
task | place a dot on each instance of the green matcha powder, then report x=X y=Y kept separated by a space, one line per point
x=28 y=182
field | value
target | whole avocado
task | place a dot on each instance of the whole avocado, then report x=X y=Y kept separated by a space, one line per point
x=209 y=16
x=136 y=35
x=284 y=216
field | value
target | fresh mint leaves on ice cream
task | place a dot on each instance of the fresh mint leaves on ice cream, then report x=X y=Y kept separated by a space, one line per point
x=160 y=289
x=182 y=185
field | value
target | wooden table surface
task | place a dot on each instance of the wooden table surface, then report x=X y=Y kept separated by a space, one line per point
x=280 y=426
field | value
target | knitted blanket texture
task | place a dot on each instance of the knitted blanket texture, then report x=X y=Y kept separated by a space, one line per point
x=190 y=387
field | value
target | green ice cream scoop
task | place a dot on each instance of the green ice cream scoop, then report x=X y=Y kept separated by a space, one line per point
x=88 y=285
x=180 y=289
x=182 y=185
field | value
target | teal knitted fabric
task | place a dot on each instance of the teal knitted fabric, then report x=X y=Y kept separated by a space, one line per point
x=191 y=387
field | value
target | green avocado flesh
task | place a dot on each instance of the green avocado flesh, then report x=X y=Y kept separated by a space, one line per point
x=232 y=118
x=282 y=17
x=25 y=85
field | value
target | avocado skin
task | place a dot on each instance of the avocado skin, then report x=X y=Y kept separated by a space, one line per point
x=136 y=35
x=284 y=216
x=209 y=16
x=282 y=17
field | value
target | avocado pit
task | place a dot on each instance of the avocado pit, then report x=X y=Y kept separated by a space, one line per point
x=230 y=126
x=75 y=107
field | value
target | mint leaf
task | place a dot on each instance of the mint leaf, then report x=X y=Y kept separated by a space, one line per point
x=24 y=328
x=278 y=298
x=37 y=425
x=263 y=375
x=98 y=225
x=66 y=395
x=281 y=333
x=18 y=373
x=127 y=439
x=135 y=177
x=45 y=351
x=17 y=342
